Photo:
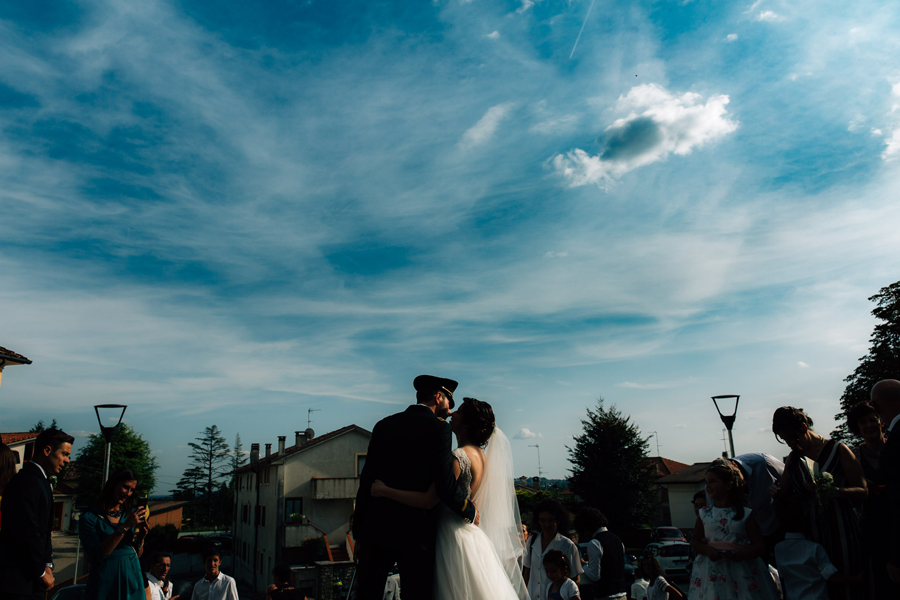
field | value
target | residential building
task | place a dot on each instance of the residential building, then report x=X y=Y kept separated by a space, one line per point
x=285 y=497
x=681 y=486
x=662 y=467
x=9 y=358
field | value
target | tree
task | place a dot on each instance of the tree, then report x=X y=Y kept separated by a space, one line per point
x=210 y=454
x=39 y=426
x=237 y=455
x=129 y=450
x=609 y=468
x=882 y=361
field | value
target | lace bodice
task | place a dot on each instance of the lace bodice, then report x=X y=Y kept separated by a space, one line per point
x=465 y=468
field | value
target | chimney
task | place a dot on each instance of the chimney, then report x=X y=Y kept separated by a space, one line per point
x=268 y=450
x=523 y=481
x=299 y=437
x=536 y=483
x=254 y=452
x=281 y=439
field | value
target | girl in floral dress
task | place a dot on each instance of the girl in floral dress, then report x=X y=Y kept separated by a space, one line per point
x=728 y=543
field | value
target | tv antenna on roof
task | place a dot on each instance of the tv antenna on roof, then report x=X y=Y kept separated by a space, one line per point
x=309 y=412
x=540 y=474
x=656 y=435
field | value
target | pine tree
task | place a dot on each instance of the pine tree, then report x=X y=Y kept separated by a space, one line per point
x=609 y=468
x=882 y=361
x=238 y=459
x=210 y=454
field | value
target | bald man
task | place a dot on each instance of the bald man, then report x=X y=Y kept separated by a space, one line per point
x=886 y=399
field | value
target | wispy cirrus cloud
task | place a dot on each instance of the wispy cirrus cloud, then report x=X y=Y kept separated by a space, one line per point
x=481 y=132
x=657 y=123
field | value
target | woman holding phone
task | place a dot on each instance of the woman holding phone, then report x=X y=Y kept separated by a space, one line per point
x=112 y=533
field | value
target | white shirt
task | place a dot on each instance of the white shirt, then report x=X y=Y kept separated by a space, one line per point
x=658 y=590
x=763 y=471
x=804 y=566
x=639 y=589
x=534 y=560
x=222 y=587
x=156 y=592
x=567 y=590
x=595 y=556
x=894 y=422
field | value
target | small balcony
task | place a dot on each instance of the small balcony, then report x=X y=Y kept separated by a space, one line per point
x=336 y=488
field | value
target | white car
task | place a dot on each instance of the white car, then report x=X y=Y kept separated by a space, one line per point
x=672 y=557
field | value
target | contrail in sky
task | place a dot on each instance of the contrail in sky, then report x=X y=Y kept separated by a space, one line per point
x=582 y=29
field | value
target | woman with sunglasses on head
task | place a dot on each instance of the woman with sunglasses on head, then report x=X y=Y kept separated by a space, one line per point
x=828 y=480
x=113 y=533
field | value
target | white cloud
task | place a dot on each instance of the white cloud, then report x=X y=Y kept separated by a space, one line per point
x=802 y=365
x=658 y=123
x=892 y=139
x=482 y=131
x=876 y=132
x=663 y=385
x=731 y=37
x=526 y=434
x=556 y=254
x=768 y=16
x=494 y=35
x=892 y=146
x=526 y=4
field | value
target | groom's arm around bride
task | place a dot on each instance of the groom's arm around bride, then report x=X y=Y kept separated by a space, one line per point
x=410 y=450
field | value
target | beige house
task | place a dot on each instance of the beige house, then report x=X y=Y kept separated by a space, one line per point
x=293 y=494
x=681 y=487
x=22 y=444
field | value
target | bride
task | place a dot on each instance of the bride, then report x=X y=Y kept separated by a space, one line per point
x=477 y=563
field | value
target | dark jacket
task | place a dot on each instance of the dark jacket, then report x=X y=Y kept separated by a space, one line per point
x=25 y=546
x=408 y=451
x=612 y=566
x=890 y=467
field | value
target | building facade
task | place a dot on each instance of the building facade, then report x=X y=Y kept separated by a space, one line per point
x=294 y=494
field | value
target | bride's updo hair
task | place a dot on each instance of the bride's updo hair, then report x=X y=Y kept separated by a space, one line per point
x=478 y=420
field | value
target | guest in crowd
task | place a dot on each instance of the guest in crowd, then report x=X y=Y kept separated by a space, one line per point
x=641 y=583
x=556 y=568
x=761 y=471
x=26 y=550
x=886 y=400
x=604 y=574
x=160 y=586
x=832 y=520
x=699 y=501
x=112 y=533
x=863 y=420
x=215 y=585
x=282 y=588
x=803 y=565
x=658 y=588
x=7 y=467
x=552 y=518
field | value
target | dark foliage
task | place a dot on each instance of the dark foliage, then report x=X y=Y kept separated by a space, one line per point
x=882 y=361
x=129 y=450
x=609 y=468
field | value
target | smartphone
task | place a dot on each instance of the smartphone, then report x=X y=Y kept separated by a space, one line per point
x=141 y=505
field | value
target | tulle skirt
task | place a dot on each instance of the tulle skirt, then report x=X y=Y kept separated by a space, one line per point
x=467 y=566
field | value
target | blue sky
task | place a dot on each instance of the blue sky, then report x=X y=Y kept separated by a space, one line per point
x=228 y=213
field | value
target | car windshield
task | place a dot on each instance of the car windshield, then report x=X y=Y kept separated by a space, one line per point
x=669 y=533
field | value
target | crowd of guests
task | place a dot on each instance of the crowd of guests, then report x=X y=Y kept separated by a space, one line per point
x=112 y=532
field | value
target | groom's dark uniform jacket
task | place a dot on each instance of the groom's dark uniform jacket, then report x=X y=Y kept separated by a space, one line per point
x=27 y=520
x=408 y=451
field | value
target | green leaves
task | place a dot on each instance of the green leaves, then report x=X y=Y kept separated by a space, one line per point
x=129 y=450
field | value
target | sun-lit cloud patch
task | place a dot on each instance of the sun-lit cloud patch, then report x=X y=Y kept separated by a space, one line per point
x=802 y=365
x=526 y=434
x=484 y=129
x=768 y=16
x=731 y=37
x=494 y=35
x=657 y=123
x=556 y=254
x=892 y=138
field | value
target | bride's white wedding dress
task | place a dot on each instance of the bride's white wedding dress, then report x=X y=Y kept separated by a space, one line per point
x=482 y=563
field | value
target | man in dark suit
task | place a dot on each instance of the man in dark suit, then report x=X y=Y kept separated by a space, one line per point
x=26 y=567
x=408 y=451
x=886 y=399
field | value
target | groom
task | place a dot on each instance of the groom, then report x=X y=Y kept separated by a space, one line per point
x=408 y=451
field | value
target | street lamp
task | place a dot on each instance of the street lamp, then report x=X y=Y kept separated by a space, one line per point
x=109 y=432
x=728 y=420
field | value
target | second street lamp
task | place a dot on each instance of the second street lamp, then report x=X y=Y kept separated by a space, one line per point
x=728 y=420
x=108 y=432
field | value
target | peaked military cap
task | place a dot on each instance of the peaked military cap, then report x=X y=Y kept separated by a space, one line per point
x=430 y=384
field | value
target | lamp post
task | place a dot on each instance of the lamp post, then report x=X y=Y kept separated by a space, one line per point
x=108 y=432
x=728 y=420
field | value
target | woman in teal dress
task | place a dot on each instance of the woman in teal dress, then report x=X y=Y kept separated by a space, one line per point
x=113 y=537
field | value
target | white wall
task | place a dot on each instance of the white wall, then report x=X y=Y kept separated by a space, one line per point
x=680 y=497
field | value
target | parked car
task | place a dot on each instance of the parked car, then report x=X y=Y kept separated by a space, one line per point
x=672 y=557
x=668 y=534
